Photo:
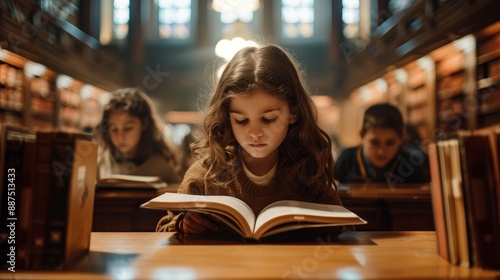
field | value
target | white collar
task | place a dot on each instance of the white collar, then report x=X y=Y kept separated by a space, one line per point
x=260 y=180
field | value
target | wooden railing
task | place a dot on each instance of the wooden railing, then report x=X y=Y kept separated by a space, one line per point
x=408 y=36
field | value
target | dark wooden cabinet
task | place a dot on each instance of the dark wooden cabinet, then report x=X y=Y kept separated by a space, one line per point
x=399 y=208
x=119 y=209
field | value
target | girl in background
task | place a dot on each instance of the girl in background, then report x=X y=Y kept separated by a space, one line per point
x=381 y=158
x=260 y=141
x=132 y=141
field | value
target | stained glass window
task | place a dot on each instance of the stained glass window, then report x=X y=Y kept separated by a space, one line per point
x=121 y=18
x=350 y=18
x=174 y=19
x=297 y=18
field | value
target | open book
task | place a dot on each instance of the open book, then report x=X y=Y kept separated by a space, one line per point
x=131 y=181
x=277 y=217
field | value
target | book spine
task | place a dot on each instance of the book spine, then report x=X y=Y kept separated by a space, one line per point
x=25 y=205
x=480 y=203
x=437 y=202
x=41 y=195
x=494 y=137
x=58 y=206
x=450 y=218
x=9 y=197
x=459 y=204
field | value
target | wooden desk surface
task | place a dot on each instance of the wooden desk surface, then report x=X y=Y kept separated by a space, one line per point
x=372 y=191
x=352 y=255
x=124 y=193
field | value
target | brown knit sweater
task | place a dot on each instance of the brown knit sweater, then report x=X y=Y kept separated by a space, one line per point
x=256 y=196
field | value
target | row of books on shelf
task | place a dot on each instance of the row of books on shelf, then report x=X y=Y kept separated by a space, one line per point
x=46 y=198
x=34 y=96
x=465 y=175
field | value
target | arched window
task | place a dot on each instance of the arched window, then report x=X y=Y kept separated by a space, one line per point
x=350 y=18
x=303 y=21
x=166 y=20
x=297 y=18
x=114 y=22
x=174 y=18
x=121 y=18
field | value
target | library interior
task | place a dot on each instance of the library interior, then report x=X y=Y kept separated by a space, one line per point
x=67 y=67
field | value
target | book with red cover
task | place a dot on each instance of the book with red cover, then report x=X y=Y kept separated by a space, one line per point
x=481 y=199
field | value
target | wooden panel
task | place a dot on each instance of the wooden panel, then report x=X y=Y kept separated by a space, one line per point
x=400 y=208
x=119 y=209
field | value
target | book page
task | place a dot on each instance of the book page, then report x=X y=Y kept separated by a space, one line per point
x=456 y=193
x=228 y=220
x=131 y=181
x=233 y=207
x=437 y=201
x=305 y=213
x=448 y=202
x=131 y=178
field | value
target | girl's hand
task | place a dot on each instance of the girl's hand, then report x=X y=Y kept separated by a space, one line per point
x=195 y=223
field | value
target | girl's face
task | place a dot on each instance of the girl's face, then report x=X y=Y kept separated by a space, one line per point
x=380 y=145
x=260 y=124
x=125 y=132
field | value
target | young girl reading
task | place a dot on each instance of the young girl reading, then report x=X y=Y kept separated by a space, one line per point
x=381 y=158
x=132 y=141
x=260 y=141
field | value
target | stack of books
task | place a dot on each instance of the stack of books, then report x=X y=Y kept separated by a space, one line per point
x=465 y=174
x=47 y=197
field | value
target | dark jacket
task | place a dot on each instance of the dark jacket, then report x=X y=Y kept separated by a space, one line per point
x=409 y=166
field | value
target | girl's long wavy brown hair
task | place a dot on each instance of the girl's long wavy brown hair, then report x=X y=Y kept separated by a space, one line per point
x=138 y=104
x=305 y=158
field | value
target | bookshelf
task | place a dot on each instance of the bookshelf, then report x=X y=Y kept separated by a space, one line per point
x=455 y=86
x=410 y=88
x=11 y=89
x=41 y=96
x=488 y=76
x=36 y=97
x=353 y=109
x=396 y=86
x=418 y=108
x=93 y=100
x=70 y=103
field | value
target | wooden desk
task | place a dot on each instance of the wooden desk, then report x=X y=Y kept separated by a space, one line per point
x=118 y=210
x=352 y=255
x=400 y=208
